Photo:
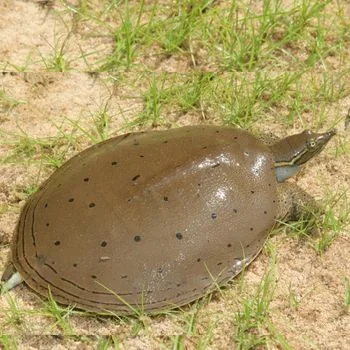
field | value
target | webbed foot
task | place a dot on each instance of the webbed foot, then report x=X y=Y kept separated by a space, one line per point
x=11 y=277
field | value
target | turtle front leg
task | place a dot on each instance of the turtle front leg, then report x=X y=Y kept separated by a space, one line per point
x=294 y=203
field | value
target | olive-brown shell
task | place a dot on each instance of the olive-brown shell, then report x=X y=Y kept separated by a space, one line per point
x=148 y=220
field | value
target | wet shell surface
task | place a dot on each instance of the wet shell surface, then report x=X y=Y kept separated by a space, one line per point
x=148 y=219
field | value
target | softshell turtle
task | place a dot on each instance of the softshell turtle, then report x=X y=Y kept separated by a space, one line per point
x=150 y=220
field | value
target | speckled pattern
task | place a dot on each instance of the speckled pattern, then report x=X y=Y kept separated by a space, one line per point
x=152 y=217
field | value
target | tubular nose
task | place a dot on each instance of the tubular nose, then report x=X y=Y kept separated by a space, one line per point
x=331 y=133
x=328 y=135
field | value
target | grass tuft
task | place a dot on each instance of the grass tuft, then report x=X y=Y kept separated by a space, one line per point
x=13 y=316
x=253 y=324
x=347 y=294
x=7 y=102
x=7 y=342
x=59 y=313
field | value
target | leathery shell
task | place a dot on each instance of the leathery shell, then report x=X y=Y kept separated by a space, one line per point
x=148 y=219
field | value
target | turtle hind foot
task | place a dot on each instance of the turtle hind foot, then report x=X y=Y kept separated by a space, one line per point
x=11 y=279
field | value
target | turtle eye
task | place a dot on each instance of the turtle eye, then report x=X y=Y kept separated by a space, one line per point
x=311 y=143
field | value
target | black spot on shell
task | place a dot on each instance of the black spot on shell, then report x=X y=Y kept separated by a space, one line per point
x=178 y=285
x=251 y=229
x=273 y=201
x=252 y=192
x=165 y=199
x=75 y=265
x=141 y=156
x=199 y=259
x=124 y=276
x=247 y=246
x=235 y=137
x=137 y=238
x=219 y=263
x=217 y=131
x=205 y=147
x=46 y=205
x=91 y=205
x=103 y=243
x=229 y=245
x=71 y=200
x=178 y=235
x=47 y=224
x=165 y=141
x=93 y=276
x=86 y=179
x=235 y=211
x=265 y=212
x=269 y=184
x=216 y=165
x=57 y=243
x=214 y=216
x=136 y=143
x=114 y=163
x=135 y=177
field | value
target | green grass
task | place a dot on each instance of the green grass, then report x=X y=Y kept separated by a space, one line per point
x=321 y=228
x=191 y=332
x=58 y=60
x=8 y=102
x=336 y=219
x=227 y=36
x=98 y=127
x=46 y=151
x=108 y=342
x=347 y=294
x=13 y=316
x=7 y=342
x=230 y=36
x=254 y=327
x=238 y=99
x=153 y=99
x=60 y=314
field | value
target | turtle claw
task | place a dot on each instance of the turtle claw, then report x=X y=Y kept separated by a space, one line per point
x=12 y=282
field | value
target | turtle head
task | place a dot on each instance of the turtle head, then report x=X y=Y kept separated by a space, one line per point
x=294 y=151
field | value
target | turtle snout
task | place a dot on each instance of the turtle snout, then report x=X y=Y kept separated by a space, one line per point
x=325 y=137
